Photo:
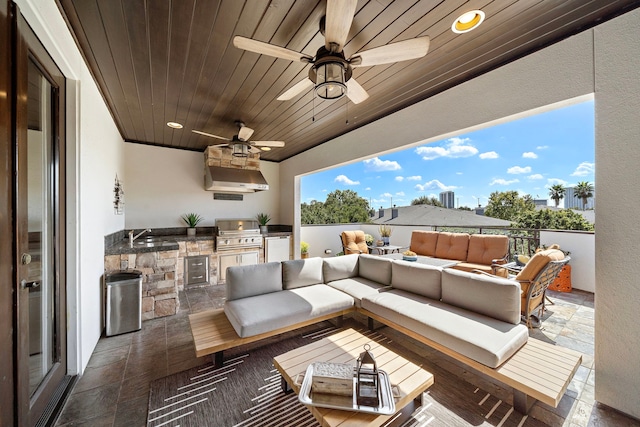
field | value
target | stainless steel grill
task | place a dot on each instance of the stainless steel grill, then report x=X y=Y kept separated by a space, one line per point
x=237 y=234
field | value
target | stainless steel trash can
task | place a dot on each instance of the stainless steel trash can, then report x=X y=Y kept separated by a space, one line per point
x=124 y=302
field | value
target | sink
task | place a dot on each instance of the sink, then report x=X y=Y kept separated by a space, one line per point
x=152 y=242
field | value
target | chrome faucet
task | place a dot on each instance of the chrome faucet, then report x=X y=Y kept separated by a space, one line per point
x=132 y=237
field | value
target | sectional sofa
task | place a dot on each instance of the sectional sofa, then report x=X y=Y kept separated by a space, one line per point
x=474 y=315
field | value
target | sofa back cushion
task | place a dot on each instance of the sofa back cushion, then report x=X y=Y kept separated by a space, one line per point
x=353 y=242
x=301 y=272
x=417 y=278
x=452 y=246
x=484 y=248
x=249 y=280
x=339 y=267
x=424 y=242
x=375 y=268
x=489 y=295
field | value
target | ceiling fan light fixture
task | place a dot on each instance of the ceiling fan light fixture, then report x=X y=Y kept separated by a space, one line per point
x=467 y=21
x=240 y=150
x=330 y=80
x=174 y=125
x=265 y=148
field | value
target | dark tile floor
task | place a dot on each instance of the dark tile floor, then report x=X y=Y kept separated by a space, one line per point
x=114 y=388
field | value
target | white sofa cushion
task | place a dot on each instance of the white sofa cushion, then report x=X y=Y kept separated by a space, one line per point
x=340 y=267
x=375 y=268
x=264 y=313
x=484 y=339
x=249 y=280
x=418 y=278
x=301 y=272
x=357 y=287
x=489 y=295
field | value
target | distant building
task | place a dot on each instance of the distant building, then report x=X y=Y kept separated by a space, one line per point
x=447 y=198
x=540 y=202
x=573 y=202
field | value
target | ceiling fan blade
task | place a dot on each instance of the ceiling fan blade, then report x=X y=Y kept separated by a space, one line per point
x=394 y=52
x=245 y=133
x=210 y=135
x=220 y=145
x=355 y=92
x=269 y=49
x=254 y=150
x=276 y=144
x=338 y=22
x=296 y=89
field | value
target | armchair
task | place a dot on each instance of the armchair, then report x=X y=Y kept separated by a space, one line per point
x=353 y=242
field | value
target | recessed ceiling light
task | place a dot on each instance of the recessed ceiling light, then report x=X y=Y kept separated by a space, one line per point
x=265 y=148
x=174 y=125
x=467 y=21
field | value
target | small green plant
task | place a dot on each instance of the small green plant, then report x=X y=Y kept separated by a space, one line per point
x=192 y=219
x=385 y=231
x=263 y=218
x=304 y=247
x=369 y=239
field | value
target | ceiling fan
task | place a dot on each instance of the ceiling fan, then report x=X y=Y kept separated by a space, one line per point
x=240 y=143
x=331 y=72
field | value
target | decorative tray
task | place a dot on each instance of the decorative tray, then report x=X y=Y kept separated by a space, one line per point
x=348 y=403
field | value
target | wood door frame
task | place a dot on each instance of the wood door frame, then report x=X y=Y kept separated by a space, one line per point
x=7 y=257
x=28 y=46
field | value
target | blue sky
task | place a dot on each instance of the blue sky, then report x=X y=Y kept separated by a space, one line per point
x=528 y=155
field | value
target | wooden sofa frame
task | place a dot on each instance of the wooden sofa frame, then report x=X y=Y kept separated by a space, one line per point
x=537 y=371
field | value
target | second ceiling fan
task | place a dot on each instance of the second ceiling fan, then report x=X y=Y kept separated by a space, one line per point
x=240 y=143
x=331 y=72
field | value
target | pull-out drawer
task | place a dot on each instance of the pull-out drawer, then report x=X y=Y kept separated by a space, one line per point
x=196 y=270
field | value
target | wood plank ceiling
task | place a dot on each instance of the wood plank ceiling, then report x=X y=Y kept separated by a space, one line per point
x=157 y=61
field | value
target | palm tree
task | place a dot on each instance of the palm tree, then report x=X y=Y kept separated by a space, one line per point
x=583 y=190
x=557 y=192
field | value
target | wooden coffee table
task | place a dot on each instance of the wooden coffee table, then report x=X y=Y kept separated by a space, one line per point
x=345 y=347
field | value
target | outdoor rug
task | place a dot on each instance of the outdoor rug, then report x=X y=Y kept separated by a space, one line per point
x=246 y=391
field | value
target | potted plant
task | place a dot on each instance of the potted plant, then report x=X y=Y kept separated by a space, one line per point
x=385 y=233
x=304 y=250
x=263 y=219
x=191 y=219
x=368 y=238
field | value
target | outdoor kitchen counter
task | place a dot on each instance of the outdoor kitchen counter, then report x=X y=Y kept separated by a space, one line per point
x=158 y=243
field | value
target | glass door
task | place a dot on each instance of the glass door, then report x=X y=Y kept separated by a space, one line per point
x=41 y=319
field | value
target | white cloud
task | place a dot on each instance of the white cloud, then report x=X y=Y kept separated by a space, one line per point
x=342 y=179
x=367 y=189
x=454 y=148
x=386 y=195
x=518 y=169
x=584 y=169
x=489 y=155
x=378 y=165
x=399 y=178
x=500 y=181
x=324 y=191
x=535 y=176
x=542 y=147
x=529 y=155
x=400 y=193
x=458 y=173
x=553 y=181
x=434 y=184
x=414 y=178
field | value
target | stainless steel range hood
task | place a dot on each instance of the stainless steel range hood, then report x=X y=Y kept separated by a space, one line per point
x=230 y=180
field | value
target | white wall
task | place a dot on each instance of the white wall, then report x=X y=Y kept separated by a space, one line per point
x=162 y=184
x=617 y=81
x=582 y=248
x=95 y=151
x=603 y=61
